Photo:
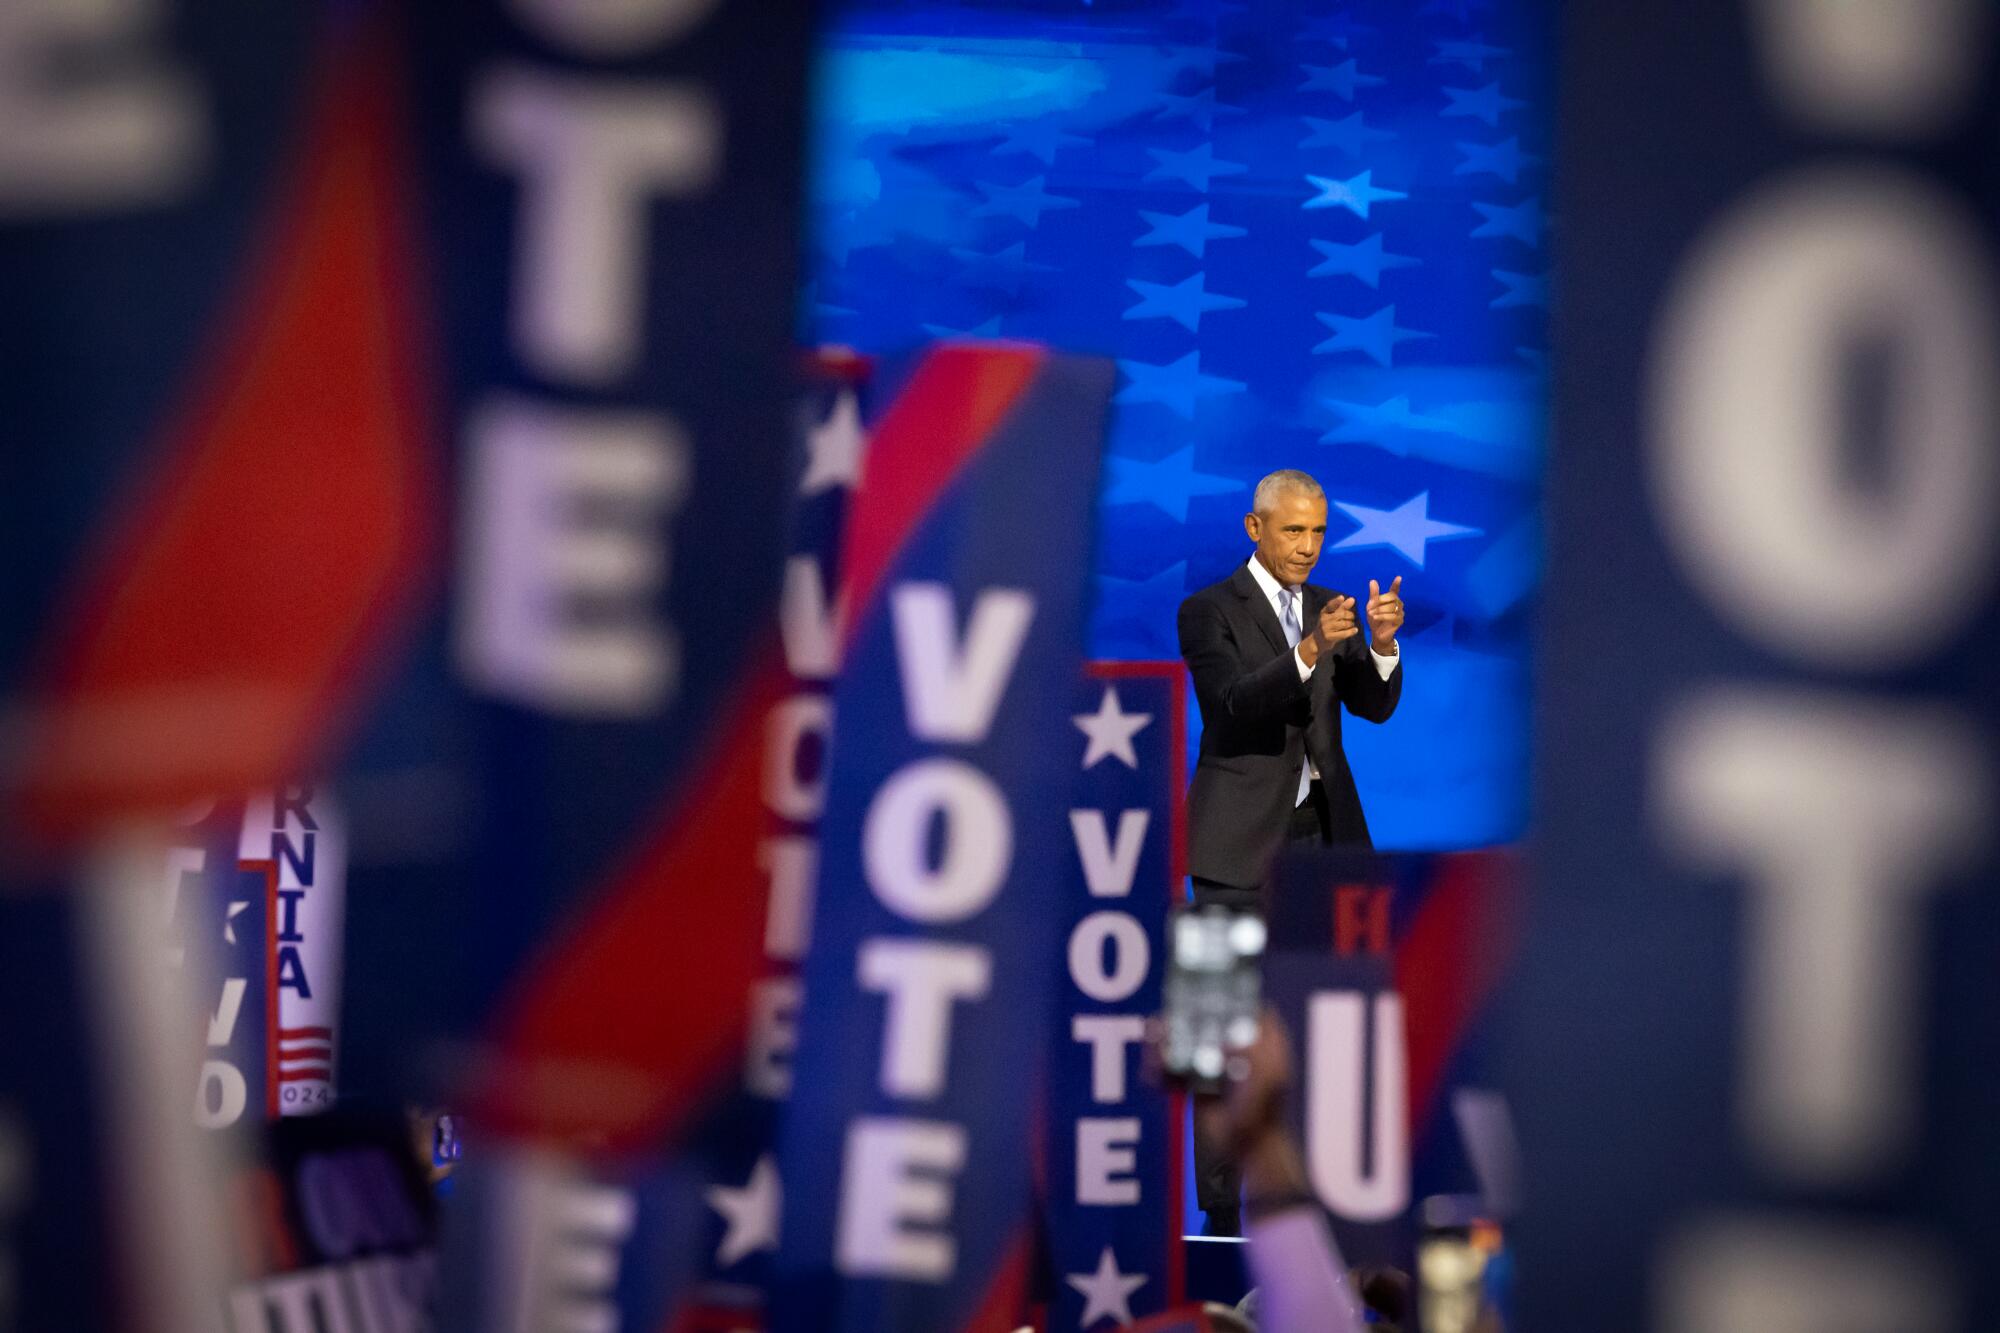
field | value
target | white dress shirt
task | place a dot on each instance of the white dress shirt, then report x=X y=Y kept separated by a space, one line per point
x=1274 y=593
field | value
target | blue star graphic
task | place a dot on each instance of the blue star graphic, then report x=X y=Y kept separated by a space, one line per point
x=1179 y=386
x=1336 y=29
x=990 y=329
x=1044 y=138
x=1523 y=221
x=1184 y=302
x=1504 y=159
x=1522 y=289
x=1363 y=259
x=1191 y=231
x=1405 y=529
x=1026 y=201
x=1341 y=79
x=1375 y=336
x=1167 y=485
x=1361 y=423
x=1485 y=104
x=1473 y=54
x=1355 y=194
x=1197 y=166
x=1003 y=270
x=1135 y=613
x=1201 y=108
x=1351 y=136
x=1202 y=58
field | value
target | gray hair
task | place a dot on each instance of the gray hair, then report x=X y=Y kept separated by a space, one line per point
x=1284 y=479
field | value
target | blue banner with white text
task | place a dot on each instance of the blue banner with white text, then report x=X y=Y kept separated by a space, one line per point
x=906 y=1143
x=1755 y=1054
x=1112 y=1197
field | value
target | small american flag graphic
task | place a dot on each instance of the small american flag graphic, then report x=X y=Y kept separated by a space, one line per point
x=305 y=1055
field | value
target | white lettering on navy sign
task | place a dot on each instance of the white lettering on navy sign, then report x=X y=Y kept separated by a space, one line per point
x=1337 y=1050
x=1110 y=959
x=565 y=553
x=1840 y=814
x=896 y=1198
x=1109 y=863
x=937 y=846
x=95 y=115
x=567 y=508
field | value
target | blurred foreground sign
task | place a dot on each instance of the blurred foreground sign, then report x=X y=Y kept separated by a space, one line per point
x=1757 y=1059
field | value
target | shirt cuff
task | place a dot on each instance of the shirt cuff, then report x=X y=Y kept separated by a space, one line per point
x=1386 y=666
x=1305 y=672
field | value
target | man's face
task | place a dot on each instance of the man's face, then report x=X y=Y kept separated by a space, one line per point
x=1289 y=535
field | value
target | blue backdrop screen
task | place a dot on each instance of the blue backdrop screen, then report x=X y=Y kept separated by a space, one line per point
x=1312 y=235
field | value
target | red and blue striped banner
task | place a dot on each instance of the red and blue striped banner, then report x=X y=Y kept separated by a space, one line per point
x=907 y=1142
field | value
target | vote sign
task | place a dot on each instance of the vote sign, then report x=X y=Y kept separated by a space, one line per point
x=1114 y=1152
x=906 y=1143
x=1754 y=1063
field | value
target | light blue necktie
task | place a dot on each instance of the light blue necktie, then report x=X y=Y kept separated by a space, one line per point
x=1288 y=598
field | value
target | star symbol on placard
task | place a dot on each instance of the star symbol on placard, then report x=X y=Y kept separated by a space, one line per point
x=989 y=329
x=1197 y=166
x=1191 y=231
x=1363 y=259
x=1523 y=221
x=1025 y=202
x=1107 y=1293
x=1341 y=80
x=1361 y=423
x=1486 y=103
x=1201 y=108
x=1004 y=270
x=834 y=446
x=1351 y=135
x=1374 y=336
x=1504 y=159
x=229 y=914
x=1184 y=302
x=1167 y=484
x=1522 y=289
x=1044 y=138
x=1405 y=529
x=1179 y=385
x=1473 y=54
x=750 y=1214
x=1356 y=194
x=1110 y=731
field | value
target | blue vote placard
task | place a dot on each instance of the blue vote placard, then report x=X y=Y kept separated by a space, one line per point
x=1755 y=1055
x=1112 y=1197
x=906 y=1147
x=1329 y=974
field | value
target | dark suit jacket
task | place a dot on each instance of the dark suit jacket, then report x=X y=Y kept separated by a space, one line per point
x=1259 y=720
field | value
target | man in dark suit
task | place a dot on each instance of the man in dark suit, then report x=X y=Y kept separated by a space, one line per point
x=1274 y=660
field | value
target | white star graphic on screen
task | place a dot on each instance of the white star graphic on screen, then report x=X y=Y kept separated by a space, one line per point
x=1107 y=1293
x=751 y=1214
x=1111 y=731
x=1405 y=529
x=229 y=915
x=833 y=447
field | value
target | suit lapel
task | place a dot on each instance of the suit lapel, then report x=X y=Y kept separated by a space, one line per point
x=1245 y=586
